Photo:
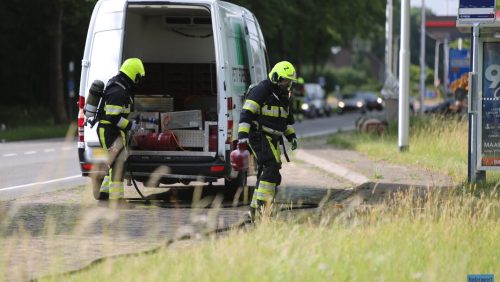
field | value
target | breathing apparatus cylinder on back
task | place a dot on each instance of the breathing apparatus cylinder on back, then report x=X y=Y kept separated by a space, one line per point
x=93 y=100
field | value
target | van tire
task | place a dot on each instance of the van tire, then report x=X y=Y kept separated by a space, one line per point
x=239 y=181
x=96 y=187
x=238 y=187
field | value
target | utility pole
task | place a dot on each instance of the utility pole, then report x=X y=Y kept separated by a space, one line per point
x=388 y=38
x=395 y=61
x=422 y=59
x=446 y=49
x=390 y=89
x=436 y=63
x=404 y=78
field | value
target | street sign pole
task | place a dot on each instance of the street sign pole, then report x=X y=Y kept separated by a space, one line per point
x=474 y=175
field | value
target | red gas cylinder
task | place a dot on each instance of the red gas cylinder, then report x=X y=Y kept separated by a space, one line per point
x=239 y=157
x=165 y=141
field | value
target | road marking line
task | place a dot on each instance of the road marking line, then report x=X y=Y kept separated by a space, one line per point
x=30 y=152
x=40 y=183
x=9 y=155
x=49 y=150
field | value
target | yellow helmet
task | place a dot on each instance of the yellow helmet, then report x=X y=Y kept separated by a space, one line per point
x=134 y=69
x=282 y=70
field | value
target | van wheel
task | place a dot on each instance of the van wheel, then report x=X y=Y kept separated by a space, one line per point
x=239 y=181
x=96 y=187
x=237 y=188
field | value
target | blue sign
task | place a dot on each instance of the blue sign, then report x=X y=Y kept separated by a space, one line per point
x=471 y=11
x=480 y=278
x=490 y=106
x=459 y=64
x=476 y=3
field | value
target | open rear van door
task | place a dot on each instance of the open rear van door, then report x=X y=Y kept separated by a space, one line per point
x=104 y=53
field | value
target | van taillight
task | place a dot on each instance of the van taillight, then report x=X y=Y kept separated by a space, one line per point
x=230 y=103
x=217 y=168
x=81 y=122
x=212 y=138
x=81 y=130
x=87 y=166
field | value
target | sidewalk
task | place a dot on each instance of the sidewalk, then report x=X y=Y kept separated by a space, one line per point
x=370 y=179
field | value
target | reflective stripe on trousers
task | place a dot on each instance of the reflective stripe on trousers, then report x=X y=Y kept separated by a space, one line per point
x=276 y=149
x=265 y=193
x=105 y=183
x=116 y=190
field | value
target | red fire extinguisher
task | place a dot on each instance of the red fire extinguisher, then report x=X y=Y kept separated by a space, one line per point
x=239 y=157
x=165 y=141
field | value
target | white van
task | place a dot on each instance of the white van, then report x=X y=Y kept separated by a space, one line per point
x=200 y=56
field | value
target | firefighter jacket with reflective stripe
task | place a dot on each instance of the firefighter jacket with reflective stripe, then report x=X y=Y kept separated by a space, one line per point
x=118 y=101
x=267 y=111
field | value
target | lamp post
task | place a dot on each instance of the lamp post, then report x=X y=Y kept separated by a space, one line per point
x=404 y=78
x=422 y=59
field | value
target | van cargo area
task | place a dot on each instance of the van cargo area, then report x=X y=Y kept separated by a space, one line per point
x=176 y=105
x=199 y=56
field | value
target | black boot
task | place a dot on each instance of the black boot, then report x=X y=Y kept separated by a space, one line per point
x=250 y=216
x=103 y=196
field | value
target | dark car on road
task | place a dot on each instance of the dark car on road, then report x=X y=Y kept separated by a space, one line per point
x=360 y=101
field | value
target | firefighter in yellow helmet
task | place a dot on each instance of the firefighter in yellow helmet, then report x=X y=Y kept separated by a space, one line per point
x=265 y=119
x=114 y=124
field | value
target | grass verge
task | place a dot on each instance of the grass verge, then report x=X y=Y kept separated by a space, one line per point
x=440 y=237
x=438 y=143
x=34 y=132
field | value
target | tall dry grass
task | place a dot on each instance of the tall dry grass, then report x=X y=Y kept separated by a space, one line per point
x=438 y=143
x=438 y=236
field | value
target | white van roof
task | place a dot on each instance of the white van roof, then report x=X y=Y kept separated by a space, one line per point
x=175 y=1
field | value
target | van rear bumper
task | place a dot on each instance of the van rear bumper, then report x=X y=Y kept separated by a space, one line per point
x=211 y=171
x=164 y=168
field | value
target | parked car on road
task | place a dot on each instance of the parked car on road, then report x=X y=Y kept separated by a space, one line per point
x=360 y=101
x=315 y=101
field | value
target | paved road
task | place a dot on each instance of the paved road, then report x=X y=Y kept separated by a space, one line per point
x=30 y=167
x=323 y=126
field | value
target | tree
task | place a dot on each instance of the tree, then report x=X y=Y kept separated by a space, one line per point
x=41 y=36
x=304 y=31
x=55 y=67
